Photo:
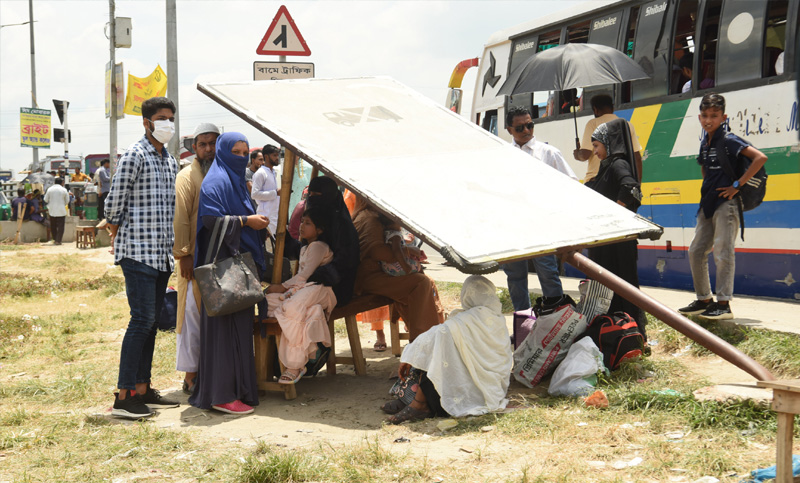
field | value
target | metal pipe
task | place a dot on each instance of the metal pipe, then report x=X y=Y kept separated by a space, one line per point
x=172 y=75
x=112 y=127
x=668 y=316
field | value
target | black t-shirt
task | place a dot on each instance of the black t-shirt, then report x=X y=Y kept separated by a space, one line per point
x=715 y=176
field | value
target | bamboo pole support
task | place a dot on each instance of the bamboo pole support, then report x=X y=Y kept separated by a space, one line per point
x=289 y=161
x=668 y=316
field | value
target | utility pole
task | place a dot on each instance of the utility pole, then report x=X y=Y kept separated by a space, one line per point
x=112 y=27
x=172 y=74
x=34 y=104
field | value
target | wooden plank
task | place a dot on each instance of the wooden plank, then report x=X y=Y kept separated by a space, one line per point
x=792 y=385
x=784 y=449
x=331 y=364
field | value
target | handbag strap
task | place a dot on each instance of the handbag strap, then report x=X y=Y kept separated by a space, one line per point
x=220 y=228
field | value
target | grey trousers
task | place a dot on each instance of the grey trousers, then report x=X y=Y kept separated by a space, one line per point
x=717 y=234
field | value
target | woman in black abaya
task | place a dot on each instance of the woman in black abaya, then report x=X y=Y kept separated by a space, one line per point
x=617 y=181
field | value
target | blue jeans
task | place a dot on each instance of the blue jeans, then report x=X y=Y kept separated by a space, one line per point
x=517 y=276
x=145 y=287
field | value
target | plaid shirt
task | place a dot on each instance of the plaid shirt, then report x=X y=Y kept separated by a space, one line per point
x=142 y=202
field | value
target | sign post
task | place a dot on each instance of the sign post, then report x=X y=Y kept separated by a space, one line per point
x=283 y=37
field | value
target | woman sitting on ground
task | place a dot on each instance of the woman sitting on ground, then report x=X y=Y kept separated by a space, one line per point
x=301 y=307
x=226 y=379
x=617 y=181
x=465 y=363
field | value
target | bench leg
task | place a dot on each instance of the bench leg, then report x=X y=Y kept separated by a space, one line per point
x=359 y=362
x=331 y=364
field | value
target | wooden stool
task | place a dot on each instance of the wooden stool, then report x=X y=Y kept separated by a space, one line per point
x=84 y=237
x=786 y=402
x=266 y=344
x=348 y=312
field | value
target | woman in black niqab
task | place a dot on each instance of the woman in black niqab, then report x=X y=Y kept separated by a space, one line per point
x=617 y=181
x=340 y=274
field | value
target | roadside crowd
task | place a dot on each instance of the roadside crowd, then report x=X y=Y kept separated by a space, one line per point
x=225 y=205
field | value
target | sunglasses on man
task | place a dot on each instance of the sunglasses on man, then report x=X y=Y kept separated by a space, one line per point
x=522 y=127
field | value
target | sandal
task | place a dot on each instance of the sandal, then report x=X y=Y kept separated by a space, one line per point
x=187 y=389
x=289 y=378
x=393 y=407
x=379 y=346
x=409 y=414
x=313 y=367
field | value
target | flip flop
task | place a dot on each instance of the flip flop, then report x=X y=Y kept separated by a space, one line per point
x=393 y=407
x=379 y=347
x=313 y=367
x=288 y=375
x=409 y=414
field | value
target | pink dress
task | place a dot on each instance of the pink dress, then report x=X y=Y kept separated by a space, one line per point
x=303 y=310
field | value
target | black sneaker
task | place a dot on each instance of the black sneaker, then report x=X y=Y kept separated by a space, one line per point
x=717 y=311
x=696 y=307
x=154 y=399
x=131 y=407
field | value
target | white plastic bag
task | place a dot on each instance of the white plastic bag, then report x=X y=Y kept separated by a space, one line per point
x=577 y=375
x=595 y=300
x=547 y=344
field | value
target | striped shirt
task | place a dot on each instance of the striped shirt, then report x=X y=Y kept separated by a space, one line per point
x=142 y=202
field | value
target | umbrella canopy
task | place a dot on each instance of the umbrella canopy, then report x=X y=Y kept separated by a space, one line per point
x=570 y=66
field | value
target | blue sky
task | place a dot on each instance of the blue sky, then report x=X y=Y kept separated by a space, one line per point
x=417 y=43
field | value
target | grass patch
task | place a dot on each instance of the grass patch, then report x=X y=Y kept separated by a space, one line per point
x=777 y=351
x=269 y=465
x=20 y=285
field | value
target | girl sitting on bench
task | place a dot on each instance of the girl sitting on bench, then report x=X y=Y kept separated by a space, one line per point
x=301 y=307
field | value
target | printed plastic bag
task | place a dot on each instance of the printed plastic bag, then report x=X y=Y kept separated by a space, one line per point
x=595 y=299
x=577 y=375
x=547 y=344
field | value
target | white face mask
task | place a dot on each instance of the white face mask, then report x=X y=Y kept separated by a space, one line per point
x=163 y=130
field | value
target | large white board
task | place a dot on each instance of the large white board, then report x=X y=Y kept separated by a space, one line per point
x=446 y=179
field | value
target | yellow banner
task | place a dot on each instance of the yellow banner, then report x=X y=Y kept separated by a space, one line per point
x=141 y=89
x=34 y=128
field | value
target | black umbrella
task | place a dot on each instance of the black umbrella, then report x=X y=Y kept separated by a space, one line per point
x=570 y=66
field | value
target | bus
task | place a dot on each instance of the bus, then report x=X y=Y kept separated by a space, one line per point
x=744 y=50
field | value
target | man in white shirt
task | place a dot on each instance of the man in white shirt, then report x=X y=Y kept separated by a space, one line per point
x=265 y=186
x=520 y=125
x=256 y=160
x=57 y=199
x=603 y=108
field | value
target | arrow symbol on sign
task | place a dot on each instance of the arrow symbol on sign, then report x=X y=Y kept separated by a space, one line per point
x=281 y=38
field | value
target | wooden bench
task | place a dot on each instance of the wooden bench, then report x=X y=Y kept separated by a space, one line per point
x=84 y=237
x=266 y=340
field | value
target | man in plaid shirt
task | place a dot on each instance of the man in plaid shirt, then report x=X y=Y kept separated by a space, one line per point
x=140 y=209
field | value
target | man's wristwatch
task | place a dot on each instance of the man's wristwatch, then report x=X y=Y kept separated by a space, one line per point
x=736 y=184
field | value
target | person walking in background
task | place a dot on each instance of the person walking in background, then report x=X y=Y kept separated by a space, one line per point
x=140 y=209
x=265 y=188
x=226 y=374
x=57 y=199
x=256 y=161
x=187 y=200
x=104 y=185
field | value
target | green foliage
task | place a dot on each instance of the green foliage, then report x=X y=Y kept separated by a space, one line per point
x=19 y=285
x=268 y=465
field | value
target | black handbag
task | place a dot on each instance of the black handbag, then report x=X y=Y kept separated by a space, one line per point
x=230 y=285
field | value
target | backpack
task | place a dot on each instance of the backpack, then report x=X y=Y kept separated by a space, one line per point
x=751 y=194
x=617 y=336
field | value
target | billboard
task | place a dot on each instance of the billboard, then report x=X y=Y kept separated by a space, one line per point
x=34 y=127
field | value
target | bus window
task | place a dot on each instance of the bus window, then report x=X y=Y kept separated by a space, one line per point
x=651 y=51
x=775 y=38
x=740 y=41
x=683 y=41
x=578 y=33
x=630 y=34
x=708 y=41
x=490 y=121
x=549 y=40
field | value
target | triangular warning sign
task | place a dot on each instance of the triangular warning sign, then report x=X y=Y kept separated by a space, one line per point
x=283 y=37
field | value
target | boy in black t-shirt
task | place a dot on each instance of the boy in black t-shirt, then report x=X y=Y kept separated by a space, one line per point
x=718 y=215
